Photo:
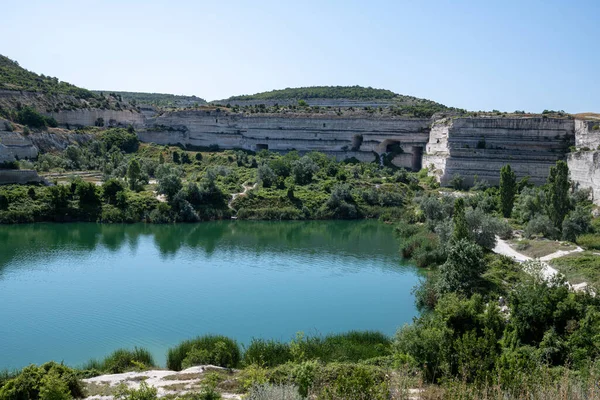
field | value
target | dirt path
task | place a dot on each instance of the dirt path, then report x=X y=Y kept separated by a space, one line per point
x=243 y=193
x=502 y=247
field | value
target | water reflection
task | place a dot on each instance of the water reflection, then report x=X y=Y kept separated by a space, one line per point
x=359 y=239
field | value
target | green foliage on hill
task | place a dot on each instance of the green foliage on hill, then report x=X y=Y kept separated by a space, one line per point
x=321 y=92
x=157 y=99
x=14 y=77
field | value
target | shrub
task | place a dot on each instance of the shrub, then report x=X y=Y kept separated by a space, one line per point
x=145 y=392
x=266 y=175
x=457 y=182
x=267 y=353
x=30 y=117
x=123 y=360
x=48 y=380
x=541 y=225
x=303 y=170
x=54 y=388
x=210 y=349
x=274 y=392
x=120 y=138
x=576 y=223
x=463 y=267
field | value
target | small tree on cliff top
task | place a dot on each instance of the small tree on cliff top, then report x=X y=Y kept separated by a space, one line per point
x=508 y=190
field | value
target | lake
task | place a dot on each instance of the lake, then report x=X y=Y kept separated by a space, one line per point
x=71 y=292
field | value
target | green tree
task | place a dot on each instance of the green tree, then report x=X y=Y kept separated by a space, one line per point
x=134 y=172
x=111 y=188
x=266 y=175
x=461 y=229
x=303 y=170
x=508 y=189
x=169 y=185
x=462 y=269
x=558 y=204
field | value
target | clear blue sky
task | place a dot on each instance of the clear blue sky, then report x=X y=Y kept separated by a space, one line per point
x=479 y=55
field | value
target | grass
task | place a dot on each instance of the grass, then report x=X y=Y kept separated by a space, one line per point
x=580 y=267
x=590 y=241
x=539 y=248
x=123 y=360
x=209 y=349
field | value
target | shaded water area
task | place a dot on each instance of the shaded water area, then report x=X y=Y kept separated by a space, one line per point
x=71 y=292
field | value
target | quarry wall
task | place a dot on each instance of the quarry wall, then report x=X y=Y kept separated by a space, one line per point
x=343 y=137
x=481 y=146
x=468 y=146
x=89 y=116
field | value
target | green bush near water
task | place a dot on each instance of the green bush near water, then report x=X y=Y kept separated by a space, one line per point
x=123 y=360
x=48 y=381
x=210 y=349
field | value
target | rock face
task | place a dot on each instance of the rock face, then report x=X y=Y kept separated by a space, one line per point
x=469 y=146
x=89 y=117
x=481 y=146
x=343 y=137
x=18 y=146
x=19 y=176
x=584 y=167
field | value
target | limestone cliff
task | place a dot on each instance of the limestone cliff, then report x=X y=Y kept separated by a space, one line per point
x=481 y=146
x=343 y=137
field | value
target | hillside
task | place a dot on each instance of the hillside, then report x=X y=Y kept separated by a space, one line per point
x=158 y=99
x=321 y=92
x=15 y=77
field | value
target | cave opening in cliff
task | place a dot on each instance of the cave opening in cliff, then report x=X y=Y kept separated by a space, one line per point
x=393 y=147
x=262 y=146
x=417 y=158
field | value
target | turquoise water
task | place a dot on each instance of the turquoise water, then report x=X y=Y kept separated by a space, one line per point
x=71 y=292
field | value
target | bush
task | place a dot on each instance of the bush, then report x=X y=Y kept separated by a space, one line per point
x=120 y=138
x=457 y=182
x=576 y=223
x=145 y=392
x=541 y=225
x=123 y=360
x=210 y=349
x=274 y=392
x=50 y=380
x=303 y=170
x=462 y=269
x=30 y=117
x=266 y=175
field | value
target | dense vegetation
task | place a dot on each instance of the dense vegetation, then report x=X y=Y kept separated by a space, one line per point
x=14 y=77
x=198 y=185
x=321 y=92
x=157 y=99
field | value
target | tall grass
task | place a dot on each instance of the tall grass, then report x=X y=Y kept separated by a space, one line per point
x=209 y=349
x=123 y=360
x=267 y=353
x=353 y=346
